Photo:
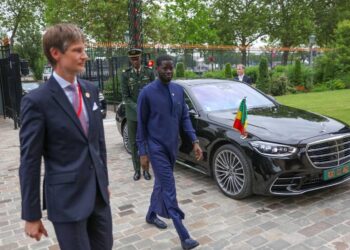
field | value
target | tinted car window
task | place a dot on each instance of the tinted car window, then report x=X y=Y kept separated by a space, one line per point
x=227 y=96
x=188 y=102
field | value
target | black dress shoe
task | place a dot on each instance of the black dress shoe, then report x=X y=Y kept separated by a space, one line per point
x=146 y=175
x=157 y=222
x=189 y=244
x=137 y=175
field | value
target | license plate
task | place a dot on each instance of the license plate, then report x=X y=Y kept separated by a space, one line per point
x=336 y=172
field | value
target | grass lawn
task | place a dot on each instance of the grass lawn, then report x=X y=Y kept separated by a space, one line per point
x=331 y=103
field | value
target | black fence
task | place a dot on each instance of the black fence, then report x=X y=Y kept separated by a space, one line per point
x=108 y=61
x=10 y=85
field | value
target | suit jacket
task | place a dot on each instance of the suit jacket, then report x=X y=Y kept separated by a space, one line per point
x=75 y=164
x=246 y=79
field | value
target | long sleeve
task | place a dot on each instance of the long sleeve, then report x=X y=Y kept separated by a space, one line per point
x=32 y=136
x=142 y=118
x=186 y=123
x=126 y=93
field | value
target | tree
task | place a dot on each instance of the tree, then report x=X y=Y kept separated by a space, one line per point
x=291 y=23
x=328 y=13
x=28 y=46
x=263 y=82
x=103 y=21
x=342 y=46
x=180 y=70
x=17 y=14
x=228 y=71
x=240 y=22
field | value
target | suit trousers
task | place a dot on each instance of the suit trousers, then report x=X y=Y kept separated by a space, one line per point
x=132 y=129
x=93 y=233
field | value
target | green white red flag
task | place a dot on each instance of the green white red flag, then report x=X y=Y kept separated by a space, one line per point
x=240 y=122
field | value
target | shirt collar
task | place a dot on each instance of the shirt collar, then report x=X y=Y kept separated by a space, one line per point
x=62 y=82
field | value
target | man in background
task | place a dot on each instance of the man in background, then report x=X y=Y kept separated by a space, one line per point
x=133 y=80
x=241 y=77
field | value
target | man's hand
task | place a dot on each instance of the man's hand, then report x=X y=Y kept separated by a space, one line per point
x=144 y=162
x=35 y=229
x=197 y=151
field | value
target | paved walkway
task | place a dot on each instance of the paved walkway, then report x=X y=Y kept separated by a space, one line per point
x=320 y=220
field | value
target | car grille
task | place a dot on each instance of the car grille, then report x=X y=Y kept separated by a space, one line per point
x=329 y=153
x=298 y=182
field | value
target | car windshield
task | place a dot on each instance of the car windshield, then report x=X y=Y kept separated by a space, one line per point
x=227 y=96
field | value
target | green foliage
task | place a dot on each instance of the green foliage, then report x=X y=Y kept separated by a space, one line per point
x=28 y=46
x=297 y=80
x=291 y=23
x=105 y=21
x=191 y=21
x=18 y=14
x=112 y=93
x=180 y=70
x=240 y=22
x=342 y=46
x=279 y=85
x=218 y=74
x=336 y=84
x=263 y=82
x=228 y=71
x=252 y=72
x=320 y=87
x=346 y=79
x=190 y=74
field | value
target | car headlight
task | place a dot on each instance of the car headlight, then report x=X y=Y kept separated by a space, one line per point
x=273 y=149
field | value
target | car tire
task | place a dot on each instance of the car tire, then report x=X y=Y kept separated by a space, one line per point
x=232 y=172
x=126 y=138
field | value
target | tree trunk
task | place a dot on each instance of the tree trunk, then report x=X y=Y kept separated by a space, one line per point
x=244 y=56
x=285 y=57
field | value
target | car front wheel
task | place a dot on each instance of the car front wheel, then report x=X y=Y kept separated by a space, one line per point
x=126 y=138
x=232 y=172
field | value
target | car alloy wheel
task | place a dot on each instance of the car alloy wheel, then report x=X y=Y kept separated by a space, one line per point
x=126 y=138
x=232 y=172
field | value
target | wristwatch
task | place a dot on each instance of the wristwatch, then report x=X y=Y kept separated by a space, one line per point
x=195 y=141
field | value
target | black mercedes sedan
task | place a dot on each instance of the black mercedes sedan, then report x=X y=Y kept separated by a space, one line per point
x=288 y=151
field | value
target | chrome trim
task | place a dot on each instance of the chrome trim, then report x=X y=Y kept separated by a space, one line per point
x=191 y=167
x=337 y=145
x=294 y=192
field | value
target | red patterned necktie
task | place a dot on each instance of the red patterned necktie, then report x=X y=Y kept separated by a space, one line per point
x=78 y=106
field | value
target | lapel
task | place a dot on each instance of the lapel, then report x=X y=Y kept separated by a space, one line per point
x=62 y=100
x=88 y=101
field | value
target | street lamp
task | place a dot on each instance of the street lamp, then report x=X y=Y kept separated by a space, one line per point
x=312 y=39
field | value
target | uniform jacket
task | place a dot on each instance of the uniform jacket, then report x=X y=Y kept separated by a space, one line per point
x=132 y=83
x=75 y=164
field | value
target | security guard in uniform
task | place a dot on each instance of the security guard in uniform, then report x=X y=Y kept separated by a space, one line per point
x=133 y=80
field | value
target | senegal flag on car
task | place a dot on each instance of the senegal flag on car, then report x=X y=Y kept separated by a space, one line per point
x=240 y=122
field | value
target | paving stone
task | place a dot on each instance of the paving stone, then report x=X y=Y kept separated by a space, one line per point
x=256 y=241
x=317 y=221
x=279 y=244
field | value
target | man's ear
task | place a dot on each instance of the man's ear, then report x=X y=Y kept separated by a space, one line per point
x=55 y=53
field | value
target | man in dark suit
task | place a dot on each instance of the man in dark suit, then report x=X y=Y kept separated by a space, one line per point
x=62 y=122
x=241 y=77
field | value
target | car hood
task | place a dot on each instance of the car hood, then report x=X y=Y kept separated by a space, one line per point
x=282 y=124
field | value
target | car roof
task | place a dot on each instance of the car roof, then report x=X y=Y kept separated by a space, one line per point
x=195 y=82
